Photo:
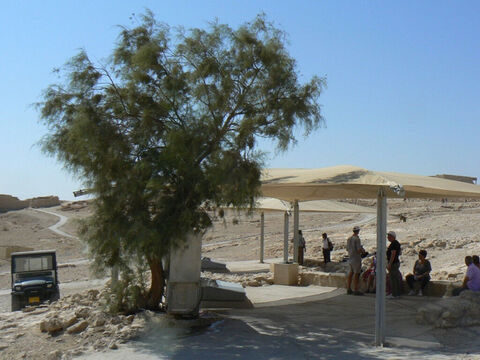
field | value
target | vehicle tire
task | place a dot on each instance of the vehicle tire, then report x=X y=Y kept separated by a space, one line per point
x=55 y=296
x=16 y=304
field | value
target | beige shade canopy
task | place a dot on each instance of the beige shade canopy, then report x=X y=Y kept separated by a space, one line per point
x=352 y=182
x=271 y=204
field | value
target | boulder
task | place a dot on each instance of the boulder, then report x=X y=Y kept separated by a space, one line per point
x=98 y=320
x=83 y=312
x=458 y=311
x=69 y=320
x=51 y=325
x=55 y=355
x=78 y=328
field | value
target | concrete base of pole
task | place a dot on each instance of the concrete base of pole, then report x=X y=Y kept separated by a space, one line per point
x=285 y=274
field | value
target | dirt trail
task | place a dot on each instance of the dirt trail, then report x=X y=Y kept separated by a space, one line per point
x=55 y=228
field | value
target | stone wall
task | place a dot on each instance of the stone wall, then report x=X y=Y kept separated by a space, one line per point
x=44 y=201
x=437 y=288
x=8 y=203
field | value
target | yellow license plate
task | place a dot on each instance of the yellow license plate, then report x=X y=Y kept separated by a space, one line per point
x=33 y=299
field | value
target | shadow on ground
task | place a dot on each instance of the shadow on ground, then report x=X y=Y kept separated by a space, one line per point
x=335 y=327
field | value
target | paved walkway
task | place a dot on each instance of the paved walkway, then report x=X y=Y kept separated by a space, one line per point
x=312 y=322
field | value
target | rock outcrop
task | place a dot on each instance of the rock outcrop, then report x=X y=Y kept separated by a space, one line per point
x=44 y=201
x=457 y=311
x=81 y=315
x=9 y=203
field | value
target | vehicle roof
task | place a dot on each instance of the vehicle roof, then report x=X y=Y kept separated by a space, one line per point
x=36 y=252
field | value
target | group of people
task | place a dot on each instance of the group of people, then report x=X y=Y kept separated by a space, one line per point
x=327 y=247
x=420 y=274
x=471 y=281
x=421 y=269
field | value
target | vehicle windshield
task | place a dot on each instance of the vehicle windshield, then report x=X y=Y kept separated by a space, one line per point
x=37 y=263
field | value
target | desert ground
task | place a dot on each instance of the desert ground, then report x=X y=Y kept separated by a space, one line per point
x=447 y=230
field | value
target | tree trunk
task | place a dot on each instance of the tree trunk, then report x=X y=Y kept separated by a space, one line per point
x=158 y=284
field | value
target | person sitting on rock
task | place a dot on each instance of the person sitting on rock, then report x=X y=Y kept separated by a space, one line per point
x=369 y=275
x=421 y=273
x=472 y=278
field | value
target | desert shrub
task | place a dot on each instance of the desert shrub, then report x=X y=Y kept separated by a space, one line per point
x=129 y=294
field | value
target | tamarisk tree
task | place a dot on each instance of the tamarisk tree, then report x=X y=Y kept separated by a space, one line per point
x=169 y=125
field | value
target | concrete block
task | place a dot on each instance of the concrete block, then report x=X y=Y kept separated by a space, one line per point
x=285 y=274
x=183 y=298
x=337 y=280
x=217 y=294
x=183 y=286
x=213 y=266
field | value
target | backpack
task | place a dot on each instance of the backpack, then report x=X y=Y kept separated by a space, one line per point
x=330 y=245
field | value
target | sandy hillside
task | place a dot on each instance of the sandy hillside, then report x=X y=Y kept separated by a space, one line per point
x=448 y=231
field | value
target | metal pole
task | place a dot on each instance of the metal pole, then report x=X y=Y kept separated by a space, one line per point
x=262 y=236
x=295 y=231
x=285 y=237
x=381 y=262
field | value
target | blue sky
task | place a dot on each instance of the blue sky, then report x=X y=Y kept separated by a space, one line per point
x=403 y=79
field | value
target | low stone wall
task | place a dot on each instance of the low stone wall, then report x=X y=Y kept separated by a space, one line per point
x=339 y=280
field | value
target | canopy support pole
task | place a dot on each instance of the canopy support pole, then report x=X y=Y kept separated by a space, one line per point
x=380 y=291
x=295 y=231
x=285 y=238
x=262 y=236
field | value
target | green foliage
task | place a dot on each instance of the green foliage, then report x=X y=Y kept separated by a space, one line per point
x=170 y=123
x=128 y=294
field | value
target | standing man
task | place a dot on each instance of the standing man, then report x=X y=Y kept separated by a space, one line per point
x=355 y=251
x=327 y=247
x=393 y=265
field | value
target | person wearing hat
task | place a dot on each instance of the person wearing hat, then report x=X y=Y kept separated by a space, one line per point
x=393 y=265
x=355 y=251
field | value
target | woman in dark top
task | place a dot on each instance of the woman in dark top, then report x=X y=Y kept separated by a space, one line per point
x=421 y=273
x=393 y=265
